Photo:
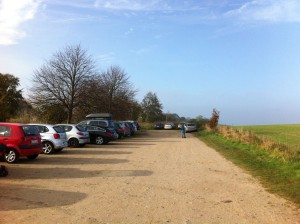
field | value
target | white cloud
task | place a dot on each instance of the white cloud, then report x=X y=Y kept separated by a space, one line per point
x=132 y=5
x=268 y=10
x=12 y=14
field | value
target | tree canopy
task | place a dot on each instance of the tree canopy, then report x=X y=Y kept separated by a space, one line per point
x=10 y=96
x=60 y=81
x=151 y=108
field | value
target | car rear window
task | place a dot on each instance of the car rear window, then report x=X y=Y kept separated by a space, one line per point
x=58 y=129
x=30 y=130
x=80 y=128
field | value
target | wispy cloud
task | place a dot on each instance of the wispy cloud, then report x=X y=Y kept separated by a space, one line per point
x=149 y=5
x=133 y=5
x=13 y=13
x=267 y=11
x=106 y=58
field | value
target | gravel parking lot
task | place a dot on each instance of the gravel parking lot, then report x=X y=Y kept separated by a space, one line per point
x=154 y=177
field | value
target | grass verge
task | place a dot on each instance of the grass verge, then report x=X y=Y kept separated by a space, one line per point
x=277 y=175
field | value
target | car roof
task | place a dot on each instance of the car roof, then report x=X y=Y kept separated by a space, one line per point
x=10 y=123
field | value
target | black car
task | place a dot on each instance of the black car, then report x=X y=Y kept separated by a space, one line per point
x=119 y=130
x=159 y=126
x=100 y=135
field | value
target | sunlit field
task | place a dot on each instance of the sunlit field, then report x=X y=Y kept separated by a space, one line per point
x=286 y=134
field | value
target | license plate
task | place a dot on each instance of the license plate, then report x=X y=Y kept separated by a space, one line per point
x=34 y=141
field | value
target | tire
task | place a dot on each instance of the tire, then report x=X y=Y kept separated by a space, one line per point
x=48 y=148
x=33 y=156
x=11 y=156
x=73 y=143
x=99 y=140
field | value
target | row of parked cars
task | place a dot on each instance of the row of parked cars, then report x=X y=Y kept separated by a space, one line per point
x=29 y=140
x=189 y=126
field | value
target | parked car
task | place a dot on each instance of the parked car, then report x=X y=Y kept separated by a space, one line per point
x=101 y=123
x=119 y=130
x=54 y=138
x=169 y=126
x=131 y=126
x=136 y=124
x=19 y=140
x=190 y=127
x=76 y=135
x=158 y=126
x=126 y=128
x=99 y=135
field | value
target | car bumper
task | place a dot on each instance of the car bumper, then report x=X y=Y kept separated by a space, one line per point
x=84 y=140
x=60 y=144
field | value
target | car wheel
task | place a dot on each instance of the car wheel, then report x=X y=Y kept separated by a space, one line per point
x=48 y=147
x=99 y=140
x=73 y=143
x=33 y=156
x=11 y=156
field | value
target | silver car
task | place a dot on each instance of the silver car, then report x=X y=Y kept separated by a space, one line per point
x=54 y=137
x=189 y=127
x=76 y=135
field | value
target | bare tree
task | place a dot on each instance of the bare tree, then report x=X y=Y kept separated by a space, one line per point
x=118 y=91
x=61 y=79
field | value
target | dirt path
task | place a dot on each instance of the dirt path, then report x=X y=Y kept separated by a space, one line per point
x=156 y=177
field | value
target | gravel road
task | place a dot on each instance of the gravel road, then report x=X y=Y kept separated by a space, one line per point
x=155 y=177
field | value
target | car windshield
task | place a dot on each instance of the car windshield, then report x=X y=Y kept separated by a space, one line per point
x=30 y=130
x=59 y=129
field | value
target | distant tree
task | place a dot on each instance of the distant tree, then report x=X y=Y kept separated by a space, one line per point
x=60 y=81
x=10 y=96
x=214 y=120
x=136 y=111
x=151 y=108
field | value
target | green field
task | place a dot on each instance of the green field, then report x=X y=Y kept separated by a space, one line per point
x=286 y=134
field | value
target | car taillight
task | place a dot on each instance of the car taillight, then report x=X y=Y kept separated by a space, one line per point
x=56 y=136
x=80 y=133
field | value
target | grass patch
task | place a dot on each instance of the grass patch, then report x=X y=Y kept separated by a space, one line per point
x=277 y=175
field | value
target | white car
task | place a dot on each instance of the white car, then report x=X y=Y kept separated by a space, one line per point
x=189 y=127
x=76 y=135
x=169 y=126
x=54 y=137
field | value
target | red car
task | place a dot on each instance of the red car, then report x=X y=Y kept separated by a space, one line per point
x=20 y=140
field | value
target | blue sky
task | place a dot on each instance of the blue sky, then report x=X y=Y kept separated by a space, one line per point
x=241 y=57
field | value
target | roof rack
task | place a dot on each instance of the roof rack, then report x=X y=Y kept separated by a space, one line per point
x=107 y=116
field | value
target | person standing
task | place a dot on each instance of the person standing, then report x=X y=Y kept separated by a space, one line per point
x=183 y=131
